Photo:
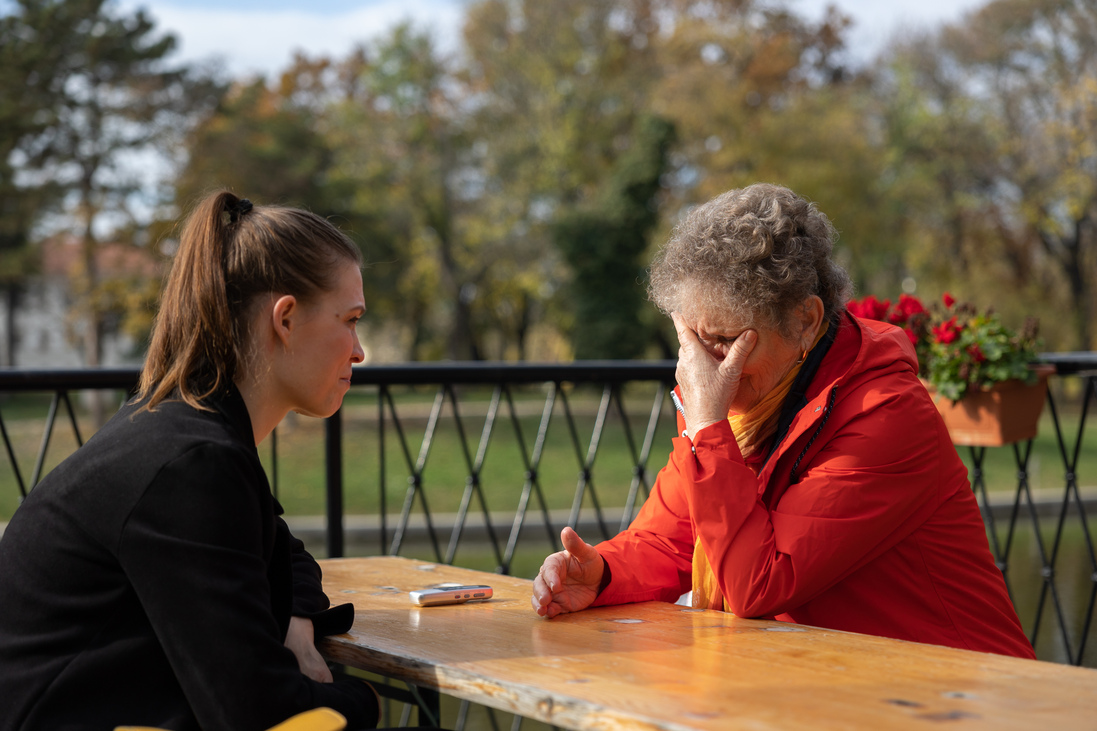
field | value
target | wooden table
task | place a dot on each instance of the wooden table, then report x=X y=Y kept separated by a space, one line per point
x=662 y=666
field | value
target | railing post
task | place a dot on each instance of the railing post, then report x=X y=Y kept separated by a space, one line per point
x=333 y=464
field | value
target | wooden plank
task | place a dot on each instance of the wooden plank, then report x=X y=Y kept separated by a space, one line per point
x=661 y=666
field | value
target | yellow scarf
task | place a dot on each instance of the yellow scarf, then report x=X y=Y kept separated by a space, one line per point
x=752 y=430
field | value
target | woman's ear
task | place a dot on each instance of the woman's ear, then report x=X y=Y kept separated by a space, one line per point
x=811 y=319
x=283 y=316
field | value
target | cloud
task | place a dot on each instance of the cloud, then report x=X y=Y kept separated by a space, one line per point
x=262 y=41
x=877 y=22
x=260 y=36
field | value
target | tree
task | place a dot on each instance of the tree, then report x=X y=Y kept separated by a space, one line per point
x=997 y=119
x=758 y=93
x=403 y=145
x=753 y=91
x=456 y=173
x=559 y=87
x=603 y=243
x=32 y=78
x=261 y=146
x=112 y=98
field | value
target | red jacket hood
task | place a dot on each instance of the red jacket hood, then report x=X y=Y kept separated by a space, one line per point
x=863 y=350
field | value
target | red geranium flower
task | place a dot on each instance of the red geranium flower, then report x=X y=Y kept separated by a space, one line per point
x=957 y=347
x=869 y=308
x=947 y=331
x=906 y=308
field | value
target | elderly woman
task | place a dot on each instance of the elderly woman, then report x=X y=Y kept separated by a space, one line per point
x=813 y=480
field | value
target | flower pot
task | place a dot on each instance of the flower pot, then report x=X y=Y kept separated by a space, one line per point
x=1003 y=414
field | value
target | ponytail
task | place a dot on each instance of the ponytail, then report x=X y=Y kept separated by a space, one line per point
x=230 y=253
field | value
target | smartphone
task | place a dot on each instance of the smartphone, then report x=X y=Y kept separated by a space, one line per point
x=450 y=595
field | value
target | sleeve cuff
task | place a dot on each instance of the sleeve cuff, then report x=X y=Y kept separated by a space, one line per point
x=333 y=621
x=607 y=576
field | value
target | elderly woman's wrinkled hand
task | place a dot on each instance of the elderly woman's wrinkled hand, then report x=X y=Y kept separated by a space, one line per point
x=568 y=580
x=708 y=384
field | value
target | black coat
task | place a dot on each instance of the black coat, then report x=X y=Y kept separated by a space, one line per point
x=149 y=580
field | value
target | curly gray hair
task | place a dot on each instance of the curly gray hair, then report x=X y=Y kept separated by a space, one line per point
x=757 y=252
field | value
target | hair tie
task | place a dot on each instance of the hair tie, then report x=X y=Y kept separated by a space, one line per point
x=242 y=206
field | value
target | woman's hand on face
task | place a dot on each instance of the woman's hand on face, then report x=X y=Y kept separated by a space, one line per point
x=300 y=638
x=568 y=580
x=708 y=384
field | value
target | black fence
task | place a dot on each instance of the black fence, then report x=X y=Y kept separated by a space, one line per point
x=579 y=444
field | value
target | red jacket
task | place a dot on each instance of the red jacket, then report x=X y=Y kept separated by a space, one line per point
x=878 y=532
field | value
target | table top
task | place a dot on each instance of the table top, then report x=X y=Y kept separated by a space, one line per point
x=662 y=666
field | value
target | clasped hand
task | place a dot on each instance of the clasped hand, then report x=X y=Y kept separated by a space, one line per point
x=300 y=639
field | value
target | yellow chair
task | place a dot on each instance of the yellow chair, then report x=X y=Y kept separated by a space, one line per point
x=318 y=719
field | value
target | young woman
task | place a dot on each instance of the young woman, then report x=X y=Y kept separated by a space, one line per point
x=148 y=579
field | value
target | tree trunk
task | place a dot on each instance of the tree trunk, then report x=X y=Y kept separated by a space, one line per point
x=11 y=339
x=1080 y=291
x=525 y=321
x=93 y=320
x=460 y=341
x=1067 y=252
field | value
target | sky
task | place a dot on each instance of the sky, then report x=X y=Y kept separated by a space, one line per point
x=260 y=36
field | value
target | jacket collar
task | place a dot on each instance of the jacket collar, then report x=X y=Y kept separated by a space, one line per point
x=861 y=349
x=864 y=347
x=230 y=404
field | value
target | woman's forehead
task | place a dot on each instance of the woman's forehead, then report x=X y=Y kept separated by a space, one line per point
x=699 y=300
x=715 y=316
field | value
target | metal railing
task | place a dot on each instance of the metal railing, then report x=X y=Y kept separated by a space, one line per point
x=606 y=381
x=566 y=419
